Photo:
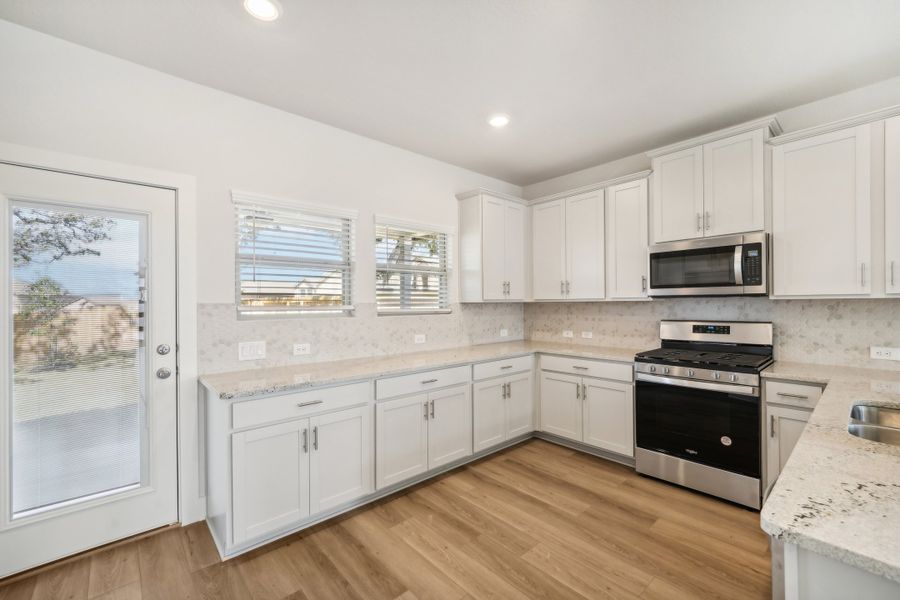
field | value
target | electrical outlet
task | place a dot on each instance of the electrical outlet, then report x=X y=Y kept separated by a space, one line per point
x=587 y=334
x=251 y=350
x=302 y=349
x=887 y=387
x=884 y=353
x=504 y=333
x=420 y=338
x=567 y=333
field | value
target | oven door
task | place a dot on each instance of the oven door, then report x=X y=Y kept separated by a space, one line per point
x=720 y=429
x=697 y=268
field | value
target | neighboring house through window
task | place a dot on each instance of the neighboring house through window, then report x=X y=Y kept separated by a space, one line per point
x=412 y=267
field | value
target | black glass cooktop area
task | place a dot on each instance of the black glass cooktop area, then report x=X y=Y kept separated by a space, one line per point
x=705 y=359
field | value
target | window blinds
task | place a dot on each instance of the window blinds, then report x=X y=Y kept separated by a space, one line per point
x=292 y=260
x=411 y=269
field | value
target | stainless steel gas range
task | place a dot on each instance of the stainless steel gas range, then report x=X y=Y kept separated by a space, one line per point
x=698 y=410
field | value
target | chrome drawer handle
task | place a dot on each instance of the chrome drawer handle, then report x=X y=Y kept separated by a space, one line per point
x=427 y=381
x=579 y=368
x=797 y=396
x=504 y=367
x=310 y=403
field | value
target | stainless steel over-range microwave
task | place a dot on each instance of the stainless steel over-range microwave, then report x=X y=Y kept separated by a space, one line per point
x=729 y=265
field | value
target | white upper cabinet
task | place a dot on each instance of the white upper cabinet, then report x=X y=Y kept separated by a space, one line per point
x=568 y=248
x=548 y=237
x=821 y=215
x=626 y=240
x=678 y=195
x=492 y=247
x=892 y=205
x=711 y=185
x=733 y=181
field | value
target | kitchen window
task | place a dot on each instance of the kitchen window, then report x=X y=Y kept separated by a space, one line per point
x=411 y=268
x=292 y=259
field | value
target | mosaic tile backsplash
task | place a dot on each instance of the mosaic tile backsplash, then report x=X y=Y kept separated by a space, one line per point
x=336 y=338
x=813 y=331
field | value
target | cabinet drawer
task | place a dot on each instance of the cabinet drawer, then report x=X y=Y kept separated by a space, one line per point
x=288 y=406
x=419 y=382
x=588 y=368
x=496 y=368
x=803 y=395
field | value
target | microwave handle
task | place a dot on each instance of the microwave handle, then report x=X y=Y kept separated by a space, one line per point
x=738 y=265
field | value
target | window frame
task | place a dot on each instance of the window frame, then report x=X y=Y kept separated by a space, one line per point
x=448 y=232
x=248 y=201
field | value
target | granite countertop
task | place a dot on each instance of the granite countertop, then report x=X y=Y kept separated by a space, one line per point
x=839 y=495
x=256 y=382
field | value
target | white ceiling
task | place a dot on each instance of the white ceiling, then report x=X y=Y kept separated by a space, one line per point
x=585 y=81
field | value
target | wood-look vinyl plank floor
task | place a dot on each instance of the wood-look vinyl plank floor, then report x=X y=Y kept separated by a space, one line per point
x=535 y=521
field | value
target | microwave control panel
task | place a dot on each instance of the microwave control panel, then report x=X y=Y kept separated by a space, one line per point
x=752 y=264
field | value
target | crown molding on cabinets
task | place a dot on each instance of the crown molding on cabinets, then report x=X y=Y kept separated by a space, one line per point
x=479 y=191
x=770 y=122
x=869 y=117
x=591 y=187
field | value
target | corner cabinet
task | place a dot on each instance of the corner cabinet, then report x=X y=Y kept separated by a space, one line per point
x=492 y=247
x=821 y=215
x=892 y=205
x=788 y=408
x=712 y=185
x=626 y=240
x=568 y=248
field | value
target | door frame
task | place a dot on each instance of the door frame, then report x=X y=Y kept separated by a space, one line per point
x=191 y=486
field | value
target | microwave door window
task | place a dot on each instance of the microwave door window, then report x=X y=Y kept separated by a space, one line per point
x=708 y=267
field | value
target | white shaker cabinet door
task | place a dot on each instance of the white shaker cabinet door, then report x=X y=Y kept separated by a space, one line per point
x=270 y=478
x=626 y=237
x=341 y=464
x=493 y=249
x=733 y=180
x=514 y=250
x=489 y=411
x=821 y=215
x=519 y=405
x=892 y=204
x=784 y=427
x=561 y=405
x=449 y=425
x=401 y=445
x=678 y=195
x=609 y=415
x=585 y=272
x=548 y=250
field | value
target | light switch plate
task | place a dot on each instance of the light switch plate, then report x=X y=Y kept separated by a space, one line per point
x=302 y=349
x=567 y=333
x=587 y=334
x=420 y=338
x=884 y=353
x=504 y=333
x=251 y=350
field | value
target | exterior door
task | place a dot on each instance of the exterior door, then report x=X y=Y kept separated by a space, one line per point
x=88 y=406
x=341 y=462
x=548 y=250
x=401 y=445
x=450 y=425
x=585 y=275
x=561 y=405
x=489 y=412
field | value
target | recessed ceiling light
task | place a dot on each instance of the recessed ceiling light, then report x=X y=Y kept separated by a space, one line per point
x=264 y=10
x=499 y=121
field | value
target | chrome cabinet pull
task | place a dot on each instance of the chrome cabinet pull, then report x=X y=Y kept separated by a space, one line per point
x=892 y=273
x=787 y=395
x=305 y=440
x=432 y=409
x=562 y=288
x=427 y=381
x=504 y=367
x=643 y=283
x=509 y=390
x=568 y=289
x=707 y=220
x=862 y=274
x=699 y=222
x=578 y=391
x=503 y=391
x=771 y=425
x=426 y=410
x=584 y=391
x=310 y=403
x=316 y=437
x=579 y=368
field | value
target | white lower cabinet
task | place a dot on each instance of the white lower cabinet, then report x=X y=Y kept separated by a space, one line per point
x=341 y=460
x=270 y=471
x=421 y=432
x=597 y=412
x=785 y=426
x=503 y=408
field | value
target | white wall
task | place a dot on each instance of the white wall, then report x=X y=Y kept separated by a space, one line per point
x=848 y=104
x=63 y=97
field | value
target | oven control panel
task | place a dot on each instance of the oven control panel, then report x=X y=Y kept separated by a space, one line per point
x=751 y=264
x=712 y=329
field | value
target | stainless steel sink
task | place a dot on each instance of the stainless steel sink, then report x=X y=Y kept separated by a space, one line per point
x=875 y=423
x=875 y=415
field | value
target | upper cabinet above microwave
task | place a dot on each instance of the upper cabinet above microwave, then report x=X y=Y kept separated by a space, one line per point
x=712 y=185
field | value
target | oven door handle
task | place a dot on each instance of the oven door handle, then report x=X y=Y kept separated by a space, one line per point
x=728 y=388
